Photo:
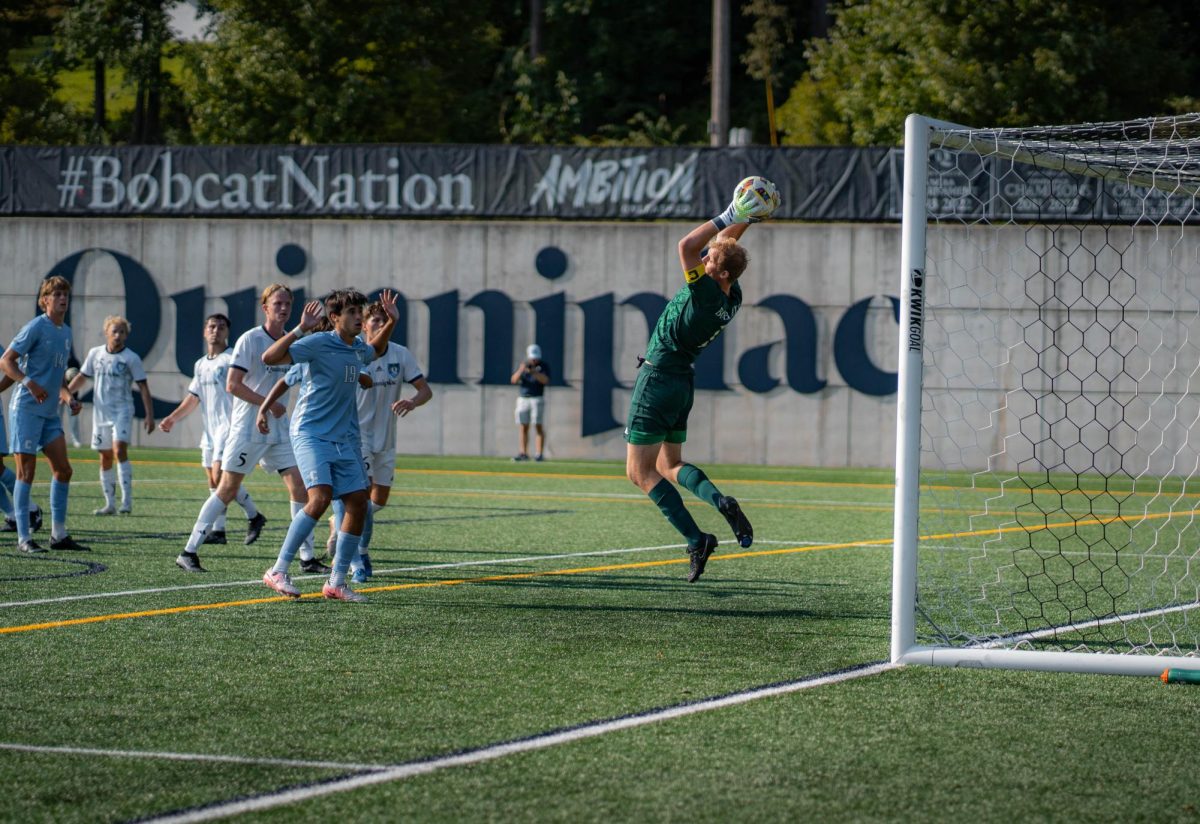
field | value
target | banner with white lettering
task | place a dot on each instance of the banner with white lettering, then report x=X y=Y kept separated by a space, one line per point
x=563 y=183
x=443 y=181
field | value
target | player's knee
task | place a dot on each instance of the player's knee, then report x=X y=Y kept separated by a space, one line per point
x=319 y=498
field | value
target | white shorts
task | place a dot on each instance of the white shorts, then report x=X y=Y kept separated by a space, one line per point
x=380 y=466
x=241 y=456
x=106 y=430
x=212 y=448
x=531 y=410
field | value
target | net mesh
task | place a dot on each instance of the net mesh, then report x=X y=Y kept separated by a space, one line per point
x=1060 y=447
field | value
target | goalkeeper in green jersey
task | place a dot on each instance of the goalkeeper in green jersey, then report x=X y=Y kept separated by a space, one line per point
x=662 y=396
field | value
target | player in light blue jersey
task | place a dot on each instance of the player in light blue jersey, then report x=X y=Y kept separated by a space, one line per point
x=325 y=435
x=37 y=360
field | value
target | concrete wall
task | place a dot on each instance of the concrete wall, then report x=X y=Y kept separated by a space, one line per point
x=827 y=266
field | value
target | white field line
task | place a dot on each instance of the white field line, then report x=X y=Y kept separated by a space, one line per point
x=400 y=772
x=187 y=756
x=448 y=565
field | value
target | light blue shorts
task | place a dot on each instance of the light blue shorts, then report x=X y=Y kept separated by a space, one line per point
x=325 y=463
x=32 y=432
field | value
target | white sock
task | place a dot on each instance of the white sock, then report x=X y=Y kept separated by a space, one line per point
x=125 y=476
x=246 y=502
x=219 y=524
x=306 y=548
x=209 y=513
x=108 y=483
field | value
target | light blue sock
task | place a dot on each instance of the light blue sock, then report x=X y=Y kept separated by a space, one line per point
x=339 y=512
x=347 y=548
x=8 y=478
x=6 y=502
x=21 y=509
x=58 y=508
x=301 y=529
x=369 y=525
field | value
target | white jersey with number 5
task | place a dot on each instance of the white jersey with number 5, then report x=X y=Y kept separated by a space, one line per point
x=258 y=377
x=389 y=372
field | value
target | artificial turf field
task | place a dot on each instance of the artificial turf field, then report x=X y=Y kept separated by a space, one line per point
x=515 y=610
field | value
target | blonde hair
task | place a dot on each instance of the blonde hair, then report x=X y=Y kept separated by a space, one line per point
x=729 y=256
x=116 y=320
x=272 y=289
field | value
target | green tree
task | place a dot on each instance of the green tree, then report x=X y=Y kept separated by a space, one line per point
x=132 y=34
x=331 y=72
x=28 y=111
x=1000 y=63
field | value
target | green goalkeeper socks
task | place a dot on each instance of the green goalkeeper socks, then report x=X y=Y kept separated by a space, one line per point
x=669 y=501
x=693 y=479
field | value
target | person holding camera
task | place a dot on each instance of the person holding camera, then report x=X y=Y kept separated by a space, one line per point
x=531 y=377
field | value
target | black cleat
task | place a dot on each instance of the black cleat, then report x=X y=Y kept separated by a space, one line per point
x=31 y=546
x=217 y=536
x=698 y=554
x=66 y=542
x=737 y=520
x=254 y=528
x=9 y=525
x=35 y=517
x=313 y=567
x=189 y=562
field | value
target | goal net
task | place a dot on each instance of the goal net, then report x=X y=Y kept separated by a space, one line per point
x=1048 y=426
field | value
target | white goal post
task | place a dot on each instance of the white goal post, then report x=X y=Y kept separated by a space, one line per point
x=1047 y=503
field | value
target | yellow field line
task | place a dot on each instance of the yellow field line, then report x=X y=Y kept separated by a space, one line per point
x=445 y=582
x=518 y=576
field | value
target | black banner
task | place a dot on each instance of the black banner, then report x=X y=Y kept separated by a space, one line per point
x=442 y=181
x=561 y=183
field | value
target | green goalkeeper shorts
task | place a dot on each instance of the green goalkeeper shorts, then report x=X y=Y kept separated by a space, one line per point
x=658 y=410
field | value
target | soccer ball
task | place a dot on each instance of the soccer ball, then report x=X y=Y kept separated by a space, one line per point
x=70 y=374
x=763 y=191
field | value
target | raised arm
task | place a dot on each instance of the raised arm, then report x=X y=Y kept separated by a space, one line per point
x=745 y=208
x=277 y=352
x=379 y=342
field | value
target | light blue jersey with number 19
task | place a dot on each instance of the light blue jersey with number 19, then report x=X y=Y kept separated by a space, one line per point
x=327 y=407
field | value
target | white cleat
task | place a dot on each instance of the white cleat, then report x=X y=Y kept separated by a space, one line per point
x=107 y=509
x=281 y=582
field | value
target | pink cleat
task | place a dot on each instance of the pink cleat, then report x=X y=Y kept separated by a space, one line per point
x=342 y=593
x=281 y=582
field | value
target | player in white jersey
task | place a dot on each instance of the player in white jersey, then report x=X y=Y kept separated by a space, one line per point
x=208 y=393
x=249 y=379
x=377 y=408
x=115 y=368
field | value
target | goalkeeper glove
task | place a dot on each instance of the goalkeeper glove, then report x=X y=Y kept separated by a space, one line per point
x=746 y=207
